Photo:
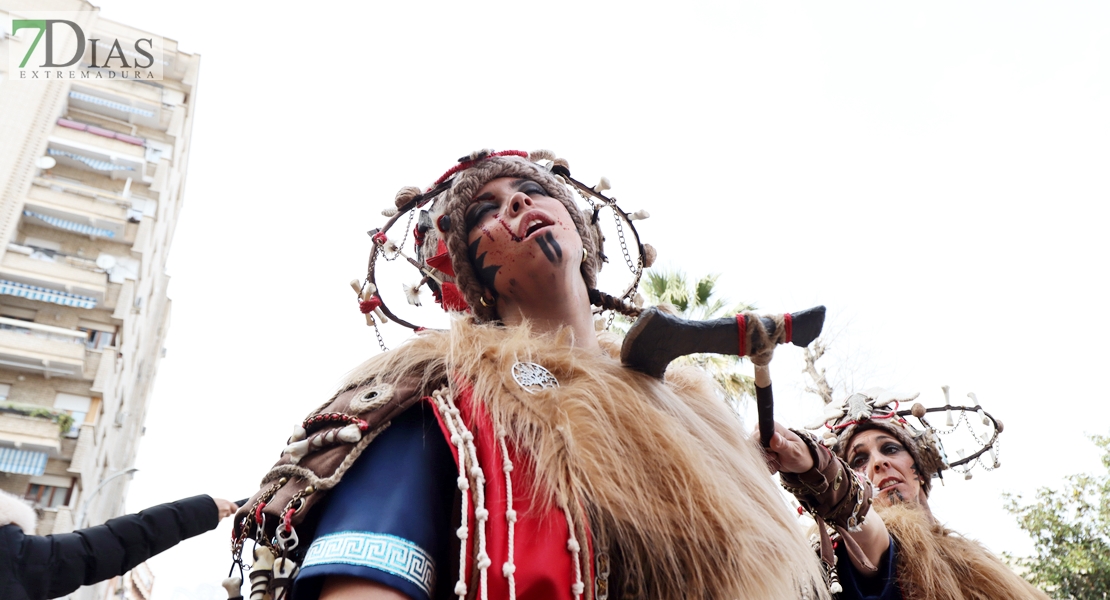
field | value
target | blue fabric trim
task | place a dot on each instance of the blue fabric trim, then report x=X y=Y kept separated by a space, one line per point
x=388 y=553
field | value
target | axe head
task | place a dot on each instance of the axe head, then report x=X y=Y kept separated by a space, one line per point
x=807 y=325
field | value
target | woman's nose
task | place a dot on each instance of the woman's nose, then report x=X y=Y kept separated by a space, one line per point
x=518 y=202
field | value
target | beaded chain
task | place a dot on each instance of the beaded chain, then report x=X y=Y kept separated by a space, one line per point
x=508 y=569
x=463 y=440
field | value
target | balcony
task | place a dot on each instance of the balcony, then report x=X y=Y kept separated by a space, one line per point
x=92 y=155
x=75 y=276
x=51 y=351
x=29 y=433
x=92 y=136
x=98 y=207
x=129 y=108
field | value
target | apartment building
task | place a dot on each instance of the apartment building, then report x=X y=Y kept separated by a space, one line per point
x=92 y=175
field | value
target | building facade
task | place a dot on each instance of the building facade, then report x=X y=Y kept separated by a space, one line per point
x=92 y=175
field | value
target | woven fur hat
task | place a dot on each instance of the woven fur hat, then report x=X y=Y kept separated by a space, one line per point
x=871 y=410
x=448 y=215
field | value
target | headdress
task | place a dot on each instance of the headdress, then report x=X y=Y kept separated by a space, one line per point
x=436 y=220
x=877 y=408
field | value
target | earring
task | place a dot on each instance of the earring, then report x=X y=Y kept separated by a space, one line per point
x=482 y=300
x=585 y=254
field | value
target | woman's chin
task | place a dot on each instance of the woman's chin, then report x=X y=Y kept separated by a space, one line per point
x=895 y=494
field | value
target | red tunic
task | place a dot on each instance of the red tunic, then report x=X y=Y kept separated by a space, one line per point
x=544 y=565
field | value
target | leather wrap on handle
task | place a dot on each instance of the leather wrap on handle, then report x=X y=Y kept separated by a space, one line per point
x=765 y=405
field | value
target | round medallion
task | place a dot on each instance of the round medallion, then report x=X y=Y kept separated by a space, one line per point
x=532 y=377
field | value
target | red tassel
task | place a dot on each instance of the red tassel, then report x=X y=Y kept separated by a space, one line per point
x=441 y=261
x=453 y=298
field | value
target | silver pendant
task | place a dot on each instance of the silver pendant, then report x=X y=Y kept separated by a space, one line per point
x=533 y=377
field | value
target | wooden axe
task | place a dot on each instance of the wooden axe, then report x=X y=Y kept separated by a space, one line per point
x=657 y=338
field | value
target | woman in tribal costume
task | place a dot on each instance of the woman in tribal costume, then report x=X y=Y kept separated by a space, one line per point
x=521 y=459
x=899 y=550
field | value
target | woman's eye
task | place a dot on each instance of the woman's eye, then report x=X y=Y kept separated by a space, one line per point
x=857 y=462
x=892 y=448
x=477 y=212
x=533 y=188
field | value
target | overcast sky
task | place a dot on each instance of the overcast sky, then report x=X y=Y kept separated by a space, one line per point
x=935 y=174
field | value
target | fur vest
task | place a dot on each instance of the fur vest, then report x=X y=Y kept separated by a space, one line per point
x=935 y=563
x=662 y=471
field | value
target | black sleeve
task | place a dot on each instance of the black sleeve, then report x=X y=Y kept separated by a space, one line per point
x=55 y=565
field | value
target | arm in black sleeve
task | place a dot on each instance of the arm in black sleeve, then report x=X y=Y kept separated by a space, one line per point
x=55 y=565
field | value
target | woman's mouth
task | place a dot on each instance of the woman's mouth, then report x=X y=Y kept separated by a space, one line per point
x=887 y=483
x=533 y=222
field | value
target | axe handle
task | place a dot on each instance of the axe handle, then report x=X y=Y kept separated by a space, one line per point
x=764 y=404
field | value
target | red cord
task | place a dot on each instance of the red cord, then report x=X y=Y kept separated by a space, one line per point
x=742 y=324
x=289 y=520
x=469 y=163
x=369 y=305
x=258 y=512
x=788 y=325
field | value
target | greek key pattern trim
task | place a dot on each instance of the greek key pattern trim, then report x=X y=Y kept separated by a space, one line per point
x=391 y=554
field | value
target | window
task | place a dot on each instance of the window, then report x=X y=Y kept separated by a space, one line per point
x=75 y=406
x=5 y=389
x=98 y=340
x=47 y=496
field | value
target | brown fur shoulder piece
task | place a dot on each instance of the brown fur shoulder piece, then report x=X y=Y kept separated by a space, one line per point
x=664 y=470
x=935 y=563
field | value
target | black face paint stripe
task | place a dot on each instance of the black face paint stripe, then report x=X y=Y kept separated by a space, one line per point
x=485 y=274
x=546 y=249
x=554 y=244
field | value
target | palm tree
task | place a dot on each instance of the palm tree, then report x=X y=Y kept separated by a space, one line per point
x=700 y=302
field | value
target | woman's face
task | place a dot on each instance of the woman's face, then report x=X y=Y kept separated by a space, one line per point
x=883 y=459
x=519 y=237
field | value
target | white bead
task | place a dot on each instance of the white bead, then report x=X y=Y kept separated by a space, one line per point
x=475 y=471
x=836 y=588
x=508 y=569
x=578 y=588
x=481 y=514
x=510 y=516
x=460 y=589
x=464 y=483
x=483 y=561
x=572 y=545
x=456 y=440
x=461 y=532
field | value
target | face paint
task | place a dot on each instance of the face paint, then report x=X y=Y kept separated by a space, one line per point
x=506 y=216
x=486 y=273
x=551 y=248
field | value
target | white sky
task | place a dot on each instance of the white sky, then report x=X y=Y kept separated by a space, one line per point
x=934 y=174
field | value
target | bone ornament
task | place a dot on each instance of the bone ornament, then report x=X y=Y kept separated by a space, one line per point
x=284 y=572
x=364 y=295
x=261 y=572
x=234 y=586
x=299 y=448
